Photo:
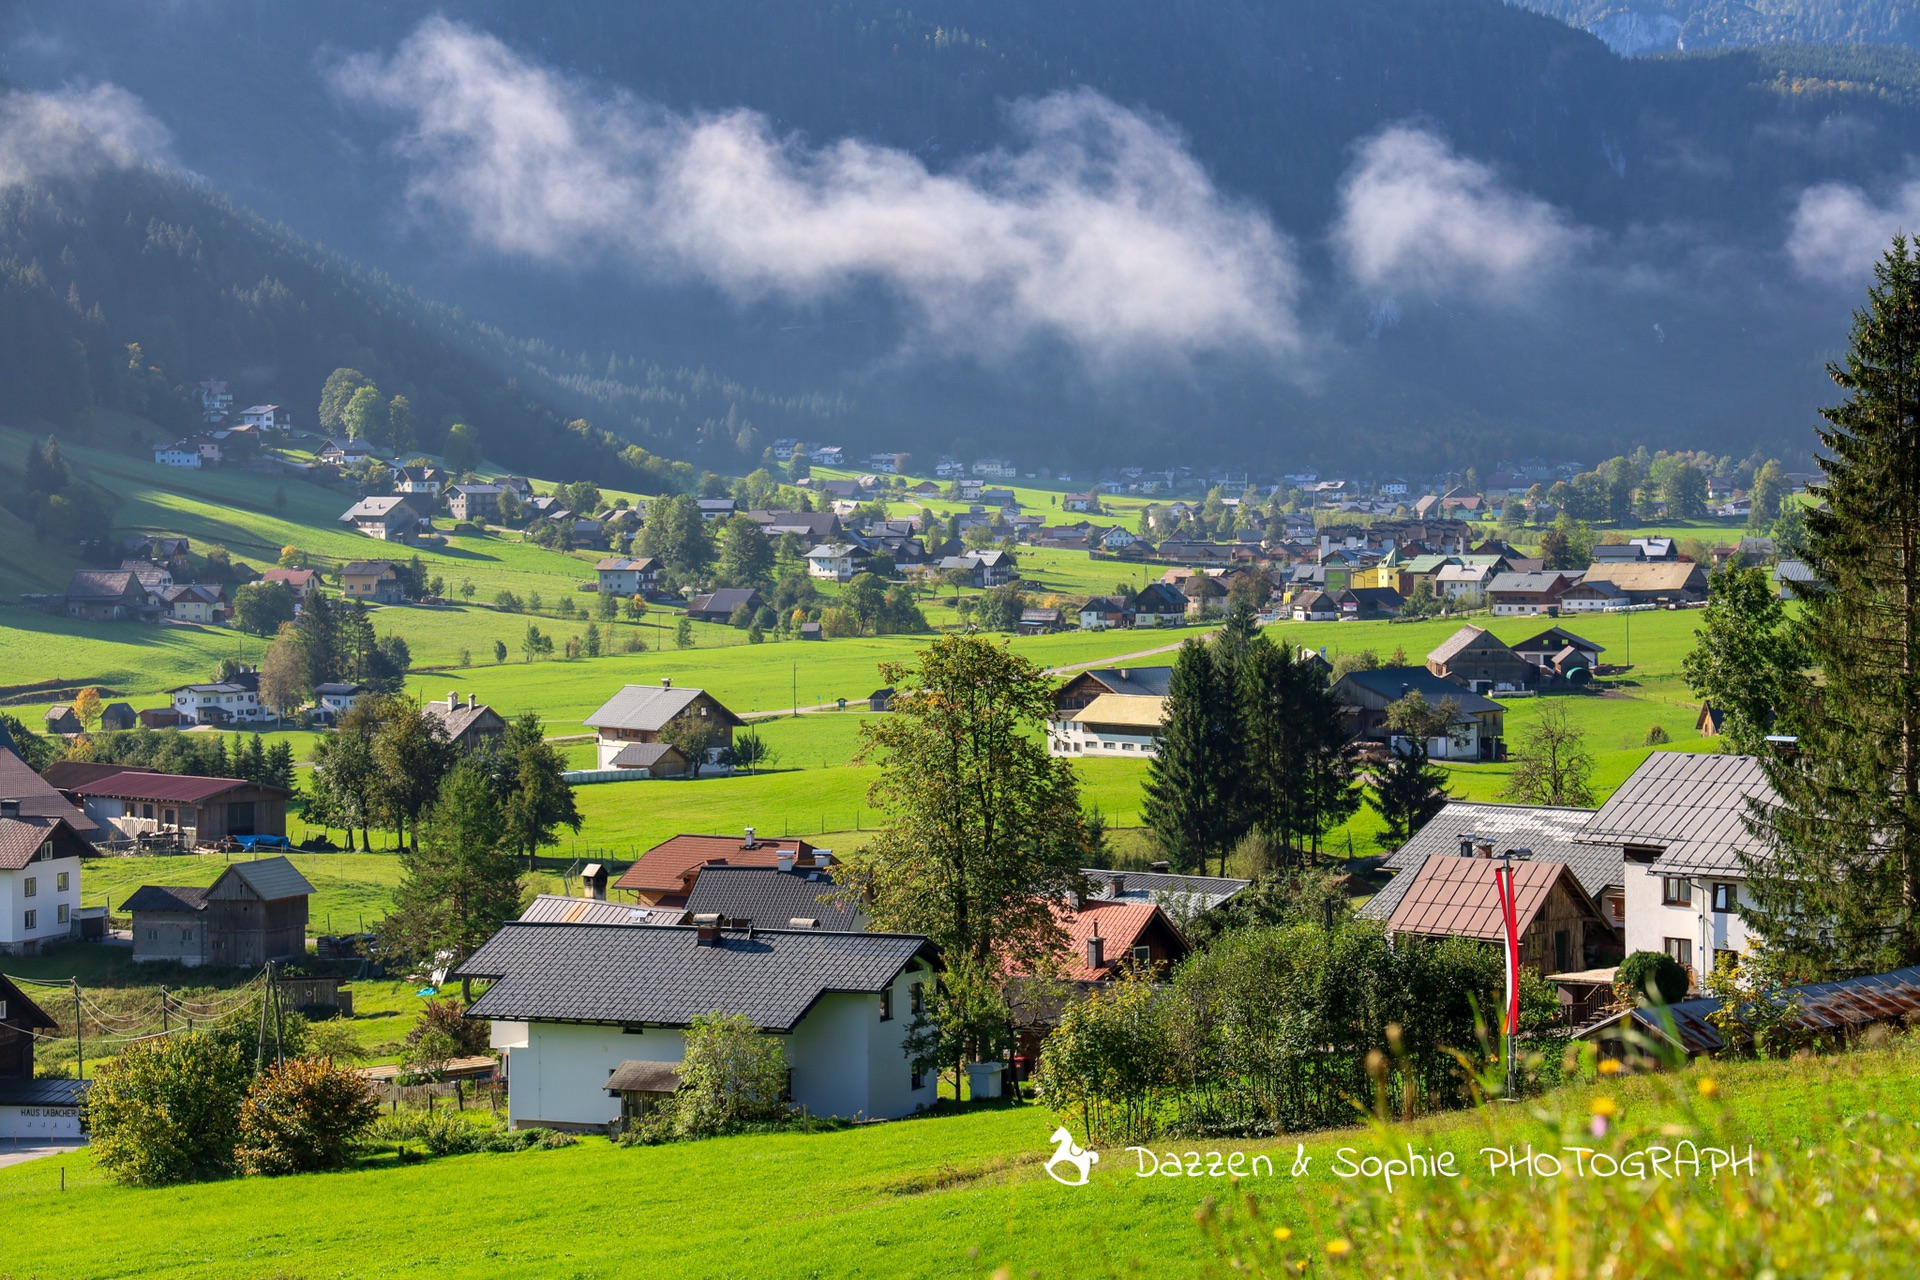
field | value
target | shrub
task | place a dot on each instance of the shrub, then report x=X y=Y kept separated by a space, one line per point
x=1654 y=974
x=730 y=1075
x=167 y=1110
x=301 y=1116
x=450 y=1133
x=1656 y=737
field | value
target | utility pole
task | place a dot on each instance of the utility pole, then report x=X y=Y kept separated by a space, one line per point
x=79 y=1045
x=279 y=1023
x=260 y=1039
x=165 y=1026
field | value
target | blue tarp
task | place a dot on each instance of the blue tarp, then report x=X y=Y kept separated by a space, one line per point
x=250 y=843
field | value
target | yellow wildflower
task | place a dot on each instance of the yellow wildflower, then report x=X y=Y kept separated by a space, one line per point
x=1337 y=1247
x=1604 y=1106
x=1709 y=1087
x=1282 y=1233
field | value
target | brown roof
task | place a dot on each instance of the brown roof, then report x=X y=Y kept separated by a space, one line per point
x=634 y=1076
x=664 y=868
x=38 y=798
x=169 y=788
x=65 y=775
x=1122 y=924
x=1455 y=897
x=1456 y=643
x=21 y=838
x=1648 y=575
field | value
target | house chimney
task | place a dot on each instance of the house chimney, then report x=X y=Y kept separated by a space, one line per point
x=593 y=880
x=666 y=682
x=1096 y=951
x=1124 y=675
x=1160 y=868
x=803 y=922
x=1466 y=844
x=453 y=699
x=1119 y=886
x=749 y=841
x=1484 y=849
x=469 y=702
x=706 y=931
x=784 y=860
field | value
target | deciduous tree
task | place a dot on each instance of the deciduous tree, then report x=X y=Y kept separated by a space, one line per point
x=1552 y=765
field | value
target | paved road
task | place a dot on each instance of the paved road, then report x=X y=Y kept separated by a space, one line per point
x=11 y=1154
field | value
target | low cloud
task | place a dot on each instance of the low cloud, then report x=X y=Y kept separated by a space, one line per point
x=73 y=132
x=1417 y=218
x=1097 y=228
x=1837 y=233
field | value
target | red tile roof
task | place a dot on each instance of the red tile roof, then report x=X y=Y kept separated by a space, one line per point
x=1455 y=897
x=664 y=868
x=166 y=788
x=1122 y=924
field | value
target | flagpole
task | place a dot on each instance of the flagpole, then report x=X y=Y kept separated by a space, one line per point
x=1509 y=911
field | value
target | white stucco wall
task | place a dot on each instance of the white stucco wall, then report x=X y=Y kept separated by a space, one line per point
x=1650 y=921
x=39 y=1123
x=46 y=902
x=557 y=1072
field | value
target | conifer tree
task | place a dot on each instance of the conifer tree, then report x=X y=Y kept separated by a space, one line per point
x=1191 y=801
x=1836 y=882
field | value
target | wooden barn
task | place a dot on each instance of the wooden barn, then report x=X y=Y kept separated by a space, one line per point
x=1560 y=927
x=255 y=912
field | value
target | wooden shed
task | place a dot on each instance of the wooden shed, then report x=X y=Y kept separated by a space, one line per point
x=1560 y=927
x=255 y=912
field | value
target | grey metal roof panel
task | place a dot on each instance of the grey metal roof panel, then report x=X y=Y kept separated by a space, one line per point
x=770 y=897
x=166 y=897
x=1155 y=886
x=1394 y=682
x=1554 y=835
x=642 y=706
x=272 y=878
x=1693 y=806
x=43 y=1093
x=554 y=908
x=614 y=974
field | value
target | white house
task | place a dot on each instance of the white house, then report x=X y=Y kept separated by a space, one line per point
x=267 y=417
x=627 y=575
x=39 y=879
x=220 y=701
x=336 y=697
x=1680 y=824
x=181 y=453
x=641 y=713
x=995 y=468
x=832 y=561
x=572 y=1004
x=1113 y=724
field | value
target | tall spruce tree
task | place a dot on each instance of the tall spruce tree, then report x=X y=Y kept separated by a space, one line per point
x=1191 y=798
x=1836 y=882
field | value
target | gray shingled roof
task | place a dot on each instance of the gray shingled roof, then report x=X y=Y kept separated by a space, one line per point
x=1455 y=643
x=770 y=898
x=1207 y=892
x=166 y=897
x=1553 y=834
x=613 y=974
x=1396 y=682
x=272 y=878
x=1694 y=806
x=645 y=755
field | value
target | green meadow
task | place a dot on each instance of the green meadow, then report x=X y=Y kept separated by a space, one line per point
x=966 y=1195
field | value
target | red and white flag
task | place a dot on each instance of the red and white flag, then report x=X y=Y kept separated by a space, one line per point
x=1503 y=885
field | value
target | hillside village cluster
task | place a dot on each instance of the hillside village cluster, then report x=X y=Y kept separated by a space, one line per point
x=589 y=999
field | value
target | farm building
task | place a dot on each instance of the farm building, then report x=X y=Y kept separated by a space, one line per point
x=255 y=912
x=643 y=714
x=135 y=802
x=1560 y=927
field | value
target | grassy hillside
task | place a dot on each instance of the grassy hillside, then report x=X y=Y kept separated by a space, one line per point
x=964 y=1195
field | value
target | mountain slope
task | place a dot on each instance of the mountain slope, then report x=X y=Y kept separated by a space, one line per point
x=1660 y=26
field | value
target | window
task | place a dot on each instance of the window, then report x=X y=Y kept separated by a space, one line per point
x=917 y=997
x=919 y=1078
x=1680 y=949
x=1726 y=897
x=153 y=935
x=30 y=887
x=1143 y=954
x=886 y=1004
x=60 y=914
x=33 y=921
x=1676 y=891
x=1562 y=950
x=60 y=881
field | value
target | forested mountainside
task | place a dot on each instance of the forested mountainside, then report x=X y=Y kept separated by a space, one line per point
x=1671 y=302
x=120 y=288
x=1659 y=26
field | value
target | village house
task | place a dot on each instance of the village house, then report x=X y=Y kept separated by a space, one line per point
x=372 y=581
x=1680 y=825
x=665 y=875
x=1358 y=604
x=1040 y=622
x=1083 y=689
x=469 y=725
x=134 y=802
x=390 y=519
x=1559 y=652
x=1478 y=731
x=812 y=527
x=109 y=595
x=343 y=453
x=335 y=698
x=1159 y=605
x=627 y=576
x=220 y=702
x=181 y=453
x=1653 y=581
x=642 y=713
x=474 y=503
x=577 y=1008
x=995 y=468
x=1314 y=605
x=1544 y=833
x=419 y=481
x=1105 y=613
x=267 y=417
x=833 y=562
x=784 y=896
x=117 y=717
x=1591 y=595
x=1463 y=583
x=39 y=878
x=1515 y=594
x=63 y=721
x=712 y=509
x=718 y=606
x=216 y=399
x=201 y=602
x=302 y=582
x=1081 y=502
x=1111 y=725
x=1477 y=659
x=256 y=911
x=1560 y=927
x=32 y=1111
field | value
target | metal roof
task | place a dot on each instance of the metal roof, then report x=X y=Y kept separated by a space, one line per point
x=666 y=977
x=1393 y=683
x=1691 y=805
x=165 y=788
x=771 y=898
x=1455 y=897
x=635 y=1076
x=1123 y=711
x=554 y=908
x=43 y=1093
x=1822 y=1007
x=664 y=867
x=1552 y=834
x=645 y=755
x=1157 y=886
x=642 y=706
x=271 y=878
